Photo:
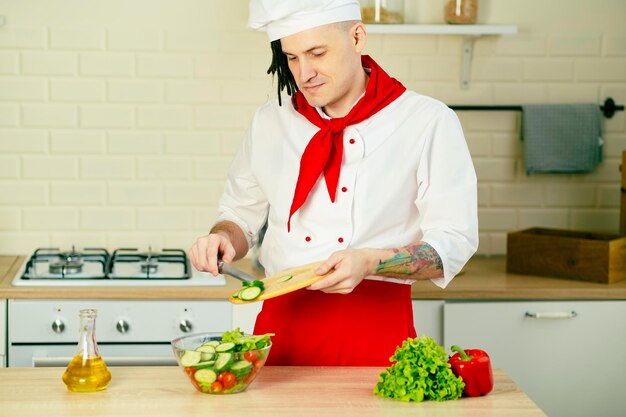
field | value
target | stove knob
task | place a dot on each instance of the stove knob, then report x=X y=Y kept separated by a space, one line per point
x=185 y=326
x=58 y=326
x=122 y=326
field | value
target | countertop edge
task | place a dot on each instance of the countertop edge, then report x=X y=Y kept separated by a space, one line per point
x=484 y=278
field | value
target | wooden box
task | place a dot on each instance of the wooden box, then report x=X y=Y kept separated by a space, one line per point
x=622 y=211
x=585 y=256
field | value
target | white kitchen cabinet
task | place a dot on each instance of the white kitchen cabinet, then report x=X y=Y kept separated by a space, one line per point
x=567 y=356
x=428 y=318
x=3 y=332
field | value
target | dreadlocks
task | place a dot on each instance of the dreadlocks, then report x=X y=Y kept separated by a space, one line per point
x=280 y=68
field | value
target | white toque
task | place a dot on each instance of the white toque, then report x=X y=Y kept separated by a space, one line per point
x=280 y=18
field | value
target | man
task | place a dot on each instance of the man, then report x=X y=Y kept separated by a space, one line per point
x=354 y=170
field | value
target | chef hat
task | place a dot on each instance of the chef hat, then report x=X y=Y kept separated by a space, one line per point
x=282 y=18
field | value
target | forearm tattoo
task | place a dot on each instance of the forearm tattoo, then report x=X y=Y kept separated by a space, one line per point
x=415 y=261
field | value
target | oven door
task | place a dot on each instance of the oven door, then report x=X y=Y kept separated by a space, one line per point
x=30 y=355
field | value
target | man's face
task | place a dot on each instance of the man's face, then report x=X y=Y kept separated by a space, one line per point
x=325 y=62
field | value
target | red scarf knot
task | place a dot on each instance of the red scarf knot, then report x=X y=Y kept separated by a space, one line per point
x=337 y=125
x=324 y=151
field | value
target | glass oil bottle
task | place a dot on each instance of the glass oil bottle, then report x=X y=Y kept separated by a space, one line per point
x=87 y=371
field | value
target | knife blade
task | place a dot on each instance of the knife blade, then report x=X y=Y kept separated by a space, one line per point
x=228 y=269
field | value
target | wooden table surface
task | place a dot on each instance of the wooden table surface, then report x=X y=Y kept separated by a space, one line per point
x=278 y=391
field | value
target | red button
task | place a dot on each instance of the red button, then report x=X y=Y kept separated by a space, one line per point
x=344 y=189
x=340 y=240
x=308 y=238
x=352 y=141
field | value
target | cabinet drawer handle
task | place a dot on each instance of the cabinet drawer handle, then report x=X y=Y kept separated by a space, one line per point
x=553 y=315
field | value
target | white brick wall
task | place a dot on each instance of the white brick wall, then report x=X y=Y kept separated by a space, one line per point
x=118 y=121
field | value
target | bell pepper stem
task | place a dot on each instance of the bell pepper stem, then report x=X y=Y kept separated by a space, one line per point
x=464 y=356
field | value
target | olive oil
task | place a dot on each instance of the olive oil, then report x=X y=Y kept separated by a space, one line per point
x=87 y=371
x=86 y=374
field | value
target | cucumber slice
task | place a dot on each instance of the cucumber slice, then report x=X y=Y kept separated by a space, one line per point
x=225 y=347
x=241 y=369
x=213 y=343
x=206 y=356
x=257 y=283
x=223 y=361
x=205 y=376
x=206 y=348
x=203 y=364
x=284 y=278
x=250 y=293
x=190 y=358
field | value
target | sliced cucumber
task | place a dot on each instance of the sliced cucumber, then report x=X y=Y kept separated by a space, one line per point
x=223 y=361
x=225 y=347
x=205 y=376
x=284 y=278
x=190 y=358
x=206 y=348
x=213 y=343
x=203 y=364
x=250 y=293
x=206 y=356
x=241 y=369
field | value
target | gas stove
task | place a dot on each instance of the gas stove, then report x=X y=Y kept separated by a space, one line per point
x=122 y=267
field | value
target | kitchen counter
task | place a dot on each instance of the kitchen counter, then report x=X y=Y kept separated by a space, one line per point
x=278 y=391
x=483 y=278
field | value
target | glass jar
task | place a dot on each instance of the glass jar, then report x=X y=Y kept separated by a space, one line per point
x=382 y=11
x=461 y=11
x=87 y=371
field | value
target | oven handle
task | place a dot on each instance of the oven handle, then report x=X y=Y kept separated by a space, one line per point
x=41 y=362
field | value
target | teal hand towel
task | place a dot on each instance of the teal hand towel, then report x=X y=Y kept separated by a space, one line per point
x=561 y=138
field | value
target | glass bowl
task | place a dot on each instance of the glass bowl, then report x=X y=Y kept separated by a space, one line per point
x=214 y=367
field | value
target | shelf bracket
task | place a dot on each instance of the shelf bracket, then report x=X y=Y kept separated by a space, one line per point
x=468 y=50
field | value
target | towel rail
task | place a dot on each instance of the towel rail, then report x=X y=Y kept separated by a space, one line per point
x=608 y=108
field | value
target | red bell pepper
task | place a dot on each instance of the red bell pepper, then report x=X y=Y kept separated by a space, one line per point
x=474 y=367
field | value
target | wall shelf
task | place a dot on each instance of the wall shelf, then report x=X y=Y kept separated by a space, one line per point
x=469 y=32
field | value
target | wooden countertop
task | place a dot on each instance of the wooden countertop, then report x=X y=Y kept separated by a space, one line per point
x=484 y=278
x=278 y=391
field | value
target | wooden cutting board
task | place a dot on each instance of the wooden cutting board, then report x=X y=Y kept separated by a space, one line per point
x=277 y=284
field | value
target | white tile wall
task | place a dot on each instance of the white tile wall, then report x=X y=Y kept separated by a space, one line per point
x=119 y=120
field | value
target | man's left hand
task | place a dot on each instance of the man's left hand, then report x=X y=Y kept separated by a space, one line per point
x=346 y=269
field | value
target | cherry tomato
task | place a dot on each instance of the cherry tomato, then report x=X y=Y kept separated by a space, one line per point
x=217 y=386
x=227 y=379
x=248 y=378
x=258 y=364
x=190 y=371
x=250 y=356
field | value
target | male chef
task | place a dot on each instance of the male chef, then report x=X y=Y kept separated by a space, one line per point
x=352 y=169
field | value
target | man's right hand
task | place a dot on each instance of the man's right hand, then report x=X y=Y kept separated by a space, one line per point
x=205 y=252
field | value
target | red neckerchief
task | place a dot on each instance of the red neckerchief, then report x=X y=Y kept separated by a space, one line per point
x=325 y=149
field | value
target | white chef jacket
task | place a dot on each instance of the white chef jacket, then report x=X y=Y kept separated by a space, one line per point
x=406 y=176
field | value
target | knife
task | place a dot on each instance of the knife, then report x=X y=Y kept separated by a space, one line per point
x=228 y=269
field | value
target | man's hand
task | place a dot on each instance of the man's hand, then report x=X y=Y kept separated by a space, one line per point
x=416 y=261
x=226 y=240
x=204 y=253
x=347 y=269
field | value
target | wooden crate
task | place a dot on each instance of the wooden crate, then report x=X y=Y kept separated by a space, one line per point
x=585 y=256
x=622 y=215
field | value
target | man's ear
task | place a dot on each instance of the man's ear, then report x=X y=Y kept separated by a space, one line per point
x=358 y=34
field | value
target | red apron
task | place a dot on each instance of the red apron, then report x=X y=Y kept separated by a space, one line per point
x=314 y=328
